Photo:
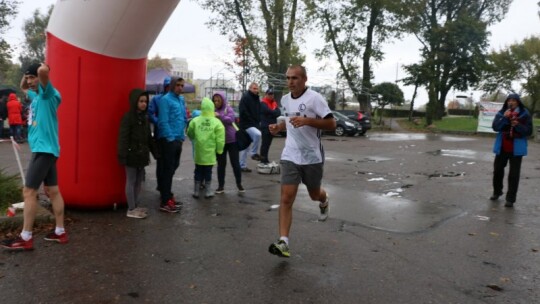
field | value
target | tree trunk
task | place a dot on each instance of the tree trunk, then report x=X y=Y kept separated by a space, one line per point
x=411 y=111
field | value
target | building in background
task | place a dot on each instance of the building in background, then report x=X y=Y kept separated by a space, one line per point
x=207 y=88
x=180 y=68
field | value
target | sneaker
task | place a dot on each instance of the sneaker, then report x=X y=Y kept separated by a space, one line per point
x=170 y=207
x=53 y=237
x=280 y=248
x=240 y=188
x=142 y=209
x=256 y=157
x=220 y=190
x=246 y=169
x=324 y=210
x=509 y=204
x=495 y=197
x=18 y=244
x=136 y=213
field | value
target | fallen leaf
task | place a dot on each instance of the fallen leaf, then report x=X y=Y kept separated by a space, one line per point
x=495 y=287
x=192 y=286
x=534 y=250
x=505 y=280
x=494 y=234
x=471 y=233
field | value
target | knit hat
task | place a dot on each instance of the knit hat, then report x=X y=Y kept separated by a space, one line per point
x=32 y=69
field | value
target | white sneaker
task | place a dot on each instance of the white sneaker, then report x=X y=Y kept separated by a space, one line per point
x=324 y=210
x=135 y=213
x=142 y=209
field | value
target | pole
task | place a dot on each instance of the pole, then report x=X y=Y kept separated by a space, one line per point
x=16 y=149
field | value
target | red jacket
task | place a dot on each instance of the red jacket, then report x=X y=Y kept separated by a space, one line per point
x=14 y=108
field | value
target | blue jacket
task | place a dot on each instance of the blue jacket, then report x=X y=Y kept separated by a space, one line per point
x=501 y=124
x=172 y=117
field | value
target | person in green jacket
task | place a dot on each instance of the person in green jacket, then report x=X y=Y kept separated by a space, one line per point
x=208 y=136
x=134 y=142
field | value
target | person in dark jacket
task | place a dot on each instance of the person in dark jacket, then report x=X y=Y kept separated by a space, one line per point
x=134 y=143
x=269 y=114
x=513 y=124
x=3 y=114
x=250 y=120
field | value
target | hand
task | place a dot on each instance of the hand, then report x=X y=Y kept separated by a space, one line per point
x=508 y=114
x=297 y=121
x=274 y=129
x=514 y=122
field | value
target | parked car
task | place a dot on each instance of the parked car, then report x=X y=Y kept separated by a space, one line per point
x=346 y=126
x=363 y=118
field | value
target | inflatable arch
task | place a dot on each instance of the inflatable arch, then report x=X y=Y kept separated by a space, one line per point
x=97 y=51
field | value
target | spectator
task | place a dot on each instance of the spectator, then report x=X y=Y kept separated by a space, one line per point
x=153 y=116
x=14 y=109
x=226 y=114
x=45 y=147
x=250 y=120
x=513 y=124
x=172 y=121
x=208 y=135
x=134 y=142
x=269 y=114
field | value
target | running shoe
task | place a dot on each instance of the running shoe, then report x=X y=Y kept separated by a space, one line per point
x=280 y=248
x=18 y=244
x=324 y=210
x=53 y=237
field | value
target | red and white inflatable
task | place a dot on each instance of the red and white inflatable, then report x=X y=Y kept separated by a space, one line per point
x=97 y=51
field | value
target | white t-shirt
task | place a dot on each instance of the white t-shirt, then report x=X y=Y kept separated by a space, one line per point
x=303 y=145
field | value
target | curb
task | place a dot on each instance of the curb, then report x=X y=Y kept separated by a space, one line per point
x=43 y=216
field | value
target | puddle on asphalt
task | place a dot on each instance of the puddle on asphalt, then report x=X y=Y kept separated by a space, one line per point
x=379 y=211
x=414 y=136
x=462 y=153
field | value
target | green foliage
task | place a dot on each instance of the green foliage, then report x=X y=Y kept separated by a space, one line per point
x=35 y=38
x=158 y=62
x=451 y=124
x=454 y=36
x=520 y=62
x=272 y=29
x=389 y=94
x=8 y=11
x=11 y=189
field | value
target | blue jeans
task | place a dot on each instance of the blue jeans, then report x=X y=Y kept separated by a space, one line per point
x=255 y=135
x=16 y=132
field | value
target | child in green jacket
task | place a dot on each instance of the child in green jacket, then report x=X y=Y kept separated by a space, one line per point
x=208 y=136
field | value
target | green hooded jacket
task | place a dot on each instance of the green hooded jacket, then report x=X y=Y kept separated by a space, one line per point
x=208 y=135
x=134 y=139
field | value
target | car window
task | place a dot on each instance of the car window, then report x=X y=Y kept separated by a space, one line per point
x=339 y=115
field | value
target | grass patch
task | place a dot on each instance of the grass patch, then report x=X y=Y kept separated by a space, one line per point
x=10 y=189
x=453 y=124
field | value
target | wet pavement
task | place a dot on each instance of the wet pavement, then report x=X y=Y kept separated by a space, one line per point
x=410 y=222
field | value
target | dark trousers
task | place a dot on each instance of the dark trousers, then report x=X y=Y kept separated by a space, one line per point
x=513 y=176
x=265 y=145
x=234 y=157
x=170 y=160
x=203 y=173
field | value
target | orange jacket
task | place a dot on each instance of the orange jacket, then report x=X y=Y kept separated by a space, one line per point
x=14 y=108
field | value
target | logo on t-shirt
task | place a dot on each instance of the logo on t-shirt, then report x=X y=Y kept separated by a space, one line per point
x=302 y=107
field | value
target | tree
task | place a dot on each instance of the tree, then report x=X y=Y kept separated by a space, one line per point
x=157 y=62
x=453 y=34
x=351 y=26
x=35 y=38
x=8 y=11
x=519 y=63
x=270 y=28
x=389 y=94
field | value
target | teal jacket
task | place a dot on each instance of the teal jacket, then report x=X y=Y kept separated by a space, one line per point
x=208 y=135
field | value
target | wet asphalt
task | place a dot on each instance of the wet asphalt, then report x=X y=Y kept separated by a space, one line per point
x=410 y=222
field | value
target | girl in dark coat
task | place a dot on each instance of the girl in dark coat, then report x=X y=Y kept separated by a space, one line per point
x=134 y=143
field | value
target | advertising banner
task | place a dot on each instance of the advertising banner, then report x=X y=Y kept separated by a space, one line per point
x=487 y=111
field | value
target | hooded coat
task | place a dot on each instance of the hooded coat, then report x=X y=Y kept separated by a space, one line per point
x=135 y=137
x=208 y=135
x=269 y=112
x=226 y=115
x=521 y=131
x=14 y=109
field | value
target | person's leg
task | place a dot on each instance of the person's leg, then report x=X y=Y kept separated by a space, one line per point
x=167 y=172
x=138 y=184
x=498 y=174
x=18 y=132
x=131 y=179
x=288 y=195
x=234 y=155
x=207 y=171
x=243 y=158
x=513 y=178
x=57 y=202
x=222 y=164
x=266 y=139
x=158 y=172
x=198 y=178
x=312 y=176
x=177 y=154
x=255 y=135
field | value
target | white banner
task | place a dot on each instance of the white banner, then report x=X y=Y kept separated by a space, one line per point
x=487 y=112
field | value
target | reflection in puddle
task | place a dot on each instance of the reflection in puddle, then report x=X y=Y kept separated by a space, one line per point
x=415 y=136
x=463 y=153
x=380 y=211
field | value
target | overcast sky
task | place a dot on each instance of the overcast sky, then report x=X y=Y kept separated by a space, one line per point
x=186 y=35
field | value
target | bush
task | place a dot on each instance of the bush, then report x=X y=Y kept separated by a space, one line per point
x=11 y=189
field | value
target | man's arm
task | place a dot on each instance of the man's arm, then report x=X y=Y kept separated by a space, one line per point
x=43 y=75
x=328 y=123
x=24 y=85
